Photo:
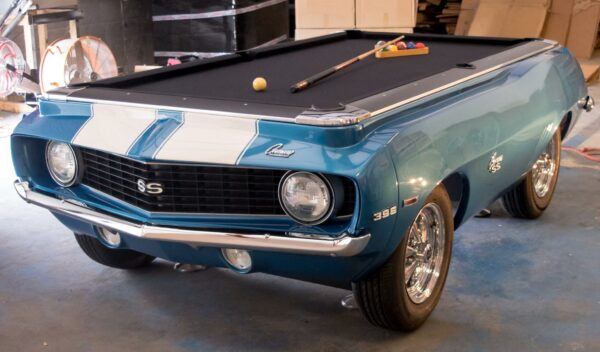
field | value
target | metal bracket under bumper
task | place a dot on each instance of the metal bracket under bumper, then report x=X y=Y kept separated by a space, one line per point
x=343 y=246
x=586 y=103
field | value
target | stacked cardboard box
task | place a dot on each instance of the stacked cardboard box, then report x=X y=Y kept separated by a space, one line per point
x=573 y=23
x=465 y=16
x=582 y=37
x=437 y=16
x=320 y=17
x=509 y=18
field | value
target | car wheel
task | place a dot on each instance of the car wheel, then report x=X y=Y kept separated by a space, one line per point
x=402 y=293
x=115 y=258
x=533 y=194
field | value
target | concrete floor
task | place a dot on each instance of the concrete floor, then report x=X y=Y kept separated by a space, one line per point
x=513 y=285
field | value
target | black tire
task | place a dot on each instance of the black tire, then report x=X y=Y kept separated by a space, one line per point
x=522 y=201
x=115 y=258
x=383 y=296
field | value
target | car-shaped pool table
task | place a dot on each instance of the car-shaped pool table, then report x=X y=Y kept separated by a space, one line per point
x=357 y=182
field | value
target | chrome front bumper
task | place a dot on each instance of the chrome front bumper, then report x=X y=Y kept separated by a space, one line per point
x=344 y=246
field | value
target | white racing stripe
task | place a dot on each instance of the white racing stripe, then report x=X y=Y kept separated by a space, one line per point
x=114 y=128
x=206 y=138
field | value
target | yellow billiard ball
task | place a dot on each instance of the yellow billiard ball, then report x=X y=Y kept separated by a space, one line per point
x=259 y=84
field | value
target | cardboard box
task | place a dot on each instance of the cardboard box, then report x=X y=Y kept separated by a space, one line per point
x=591 y=73
x=583 y=31
x=564 y=7
x=469 y=4
x=386 y=13
x=320 y=14
x=305 y=33
x=558 y=21
x=544 y=3
x=465 y=17
x=557 y=27
x=45 y=4
x=389 y=29
x=509 y=18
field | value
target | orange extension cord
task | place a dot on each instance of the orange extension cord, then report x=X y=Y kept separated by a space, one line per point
x=592 y=154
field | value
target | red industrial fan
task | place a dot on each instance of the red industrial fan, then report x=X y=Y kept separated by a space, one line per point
x=13 y=68
x=72 y=61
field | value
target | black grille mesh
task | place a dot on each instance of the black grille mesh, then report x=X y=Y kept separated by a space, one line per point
x=191 y=188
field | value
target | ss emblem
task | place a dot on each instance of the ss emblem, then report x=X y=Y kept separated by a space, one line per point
x=150 y=187
x=495 y=163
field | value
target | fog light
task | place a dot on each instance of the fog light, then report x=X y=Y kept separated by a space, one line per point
x=239 y=259
x=110 y=237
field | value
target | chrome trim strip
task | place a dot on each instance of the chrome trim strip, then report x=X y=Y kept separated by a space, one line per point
x=271 y=42
x=214 y=14
x=468 y=78
x=60 y=94
x=343 y=246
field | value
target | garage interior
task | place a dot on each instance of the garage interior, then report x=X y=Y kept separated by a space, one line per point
x=513 y=284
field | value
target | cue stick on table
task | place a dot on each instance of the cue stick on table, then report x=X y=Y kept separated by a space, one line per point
x=328 y=72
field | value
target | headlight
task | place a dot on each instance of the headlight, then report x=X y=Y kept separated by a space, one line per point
x=306 y=197
x=61 y=162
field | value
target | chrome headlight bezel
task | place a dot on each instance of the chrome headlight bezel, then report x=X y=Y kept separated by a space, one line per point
x=51 y=170
x=330 y=191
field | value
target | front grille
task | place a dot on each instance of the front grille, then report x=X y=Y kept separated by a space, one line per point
x=191 y=188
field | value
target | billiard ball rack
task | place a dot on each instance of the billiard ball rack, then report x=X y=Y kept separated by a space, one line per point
x=402 y=52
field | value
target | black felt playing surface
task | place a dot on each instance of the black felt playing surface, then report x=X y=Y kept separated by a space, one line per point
x=233 y=81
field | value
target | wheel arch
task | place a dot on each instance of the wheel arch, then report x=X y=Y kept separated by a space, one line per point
x=565 y=125
x=457 y=186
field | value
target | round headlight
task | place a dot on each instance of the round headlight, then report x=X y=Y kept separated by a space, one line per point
x=306 y=197
x=62 y=163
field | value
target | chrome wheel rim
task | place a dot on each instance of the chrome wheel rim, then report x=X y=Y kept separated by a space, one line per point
x=543 y=170
x=424 y=253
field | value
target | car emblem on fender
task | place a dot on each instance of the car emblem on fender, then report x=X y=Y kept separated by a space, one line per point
x=149 y=187
x=495 y=163
x=278 y=152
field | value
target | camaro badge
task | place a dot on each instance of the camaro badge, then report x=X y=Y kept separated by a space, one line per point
x=278 y=152
x=495 y=163
x=149 y=187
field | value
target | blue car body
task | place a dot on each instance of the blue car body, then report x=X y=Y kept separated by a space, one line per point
x=394 y=159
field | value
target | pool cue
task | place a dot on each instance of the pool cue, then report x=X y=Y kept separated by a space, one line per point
x=328 y=72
